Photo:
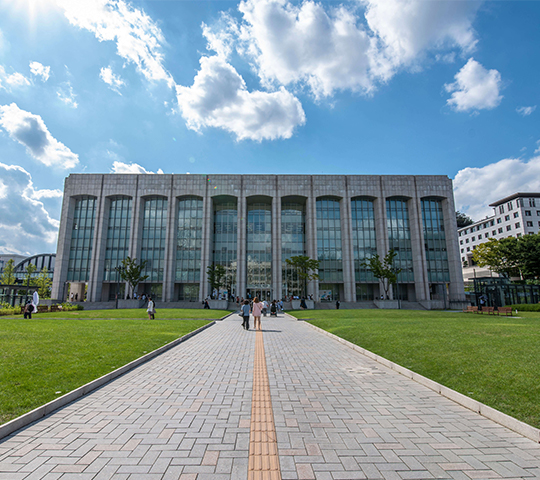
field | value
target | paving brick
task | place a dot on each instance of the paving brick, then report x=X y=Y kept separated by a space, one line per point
x=186 y=415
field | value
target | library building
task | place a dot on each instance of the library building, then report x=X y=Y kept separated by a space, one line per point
x=251 y=224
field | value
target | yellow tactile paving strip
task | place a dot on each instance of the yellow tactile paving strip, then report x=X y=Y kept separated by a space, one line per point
x=263 y=452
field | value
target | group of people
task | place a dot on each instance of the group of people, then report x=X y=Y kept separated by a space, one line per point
x=258 y=309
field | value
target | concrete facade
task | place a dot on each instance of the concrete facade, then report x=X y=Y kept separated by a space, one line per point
x=272 y=189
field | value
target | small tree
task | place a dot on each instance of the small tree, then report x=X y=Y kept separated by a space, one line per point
x=306 y=269
x=501 y=256
x=30 y=269
x=384 y=269
x=44 y=282
x=8 y=275
x=215 y=276
x=131 y=272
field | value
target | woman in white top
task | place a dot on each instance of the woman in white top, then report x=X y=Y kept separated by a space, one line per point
x=256 y=310
x=151 y=309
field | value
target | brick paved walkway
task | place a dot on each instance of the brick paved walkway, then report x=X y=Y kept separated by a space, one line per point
x=338 y=415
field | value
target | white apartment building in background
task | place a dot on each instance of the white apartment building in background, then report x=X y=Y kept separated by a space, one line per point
x=513 y=216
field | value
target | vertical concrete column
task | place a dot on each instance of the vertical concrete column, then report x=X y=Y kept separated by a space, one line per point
x=311 y=239
x=276 y=245
x=59 y=291
x=381 y=229
x=241 y=272
x=418 y=251
x=169 y=269
x=346 y=248
x=93 y=293
x=207 y=242
x=136 y=224
x=457 y=292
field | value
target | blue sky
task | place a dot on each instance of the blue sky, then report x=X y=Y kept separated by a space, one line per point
x=266 y=86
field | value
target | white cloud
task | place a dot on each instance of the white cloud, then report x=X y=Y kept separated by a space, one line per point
x=476 y=188
x=537 y=151
x=475 y=88
x=219 y=98
x=25 y=225
x=526 y=111
x=138 y=38
x=120 y=167
x=13 y=80
x=66 y=95
x=30 y=130
x=40 y=70
x=114 y=81
x=327 y=50
x=334 y=48
x=407 y=28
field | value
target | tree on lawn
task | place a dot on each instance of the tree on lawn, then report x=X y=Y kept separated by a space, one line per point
x=306 y=269
x=501 y=256
x=529 y=253
x=215 y=276
x=384 y=269
x=8 y=275
x=44 y=282
x=30 y=269
x=131 y=272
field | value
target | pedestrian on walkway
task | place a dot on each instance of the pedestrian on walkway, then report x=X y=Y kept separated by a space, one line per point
x=151 y=309
x=337 y=304
x=256 y=310
x=245 y=315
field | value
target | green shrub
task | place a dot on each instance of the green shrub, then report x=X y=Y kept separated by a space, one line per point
x=526 y=307
x=7 y=309
x=69 y=307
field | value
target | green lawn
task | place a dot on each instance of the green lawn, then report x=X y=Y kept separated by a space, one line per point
x=54 y=353
x=495 y=360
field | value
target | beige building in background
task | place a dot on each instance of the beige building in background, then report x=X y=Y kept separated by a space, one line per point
x=250 y=224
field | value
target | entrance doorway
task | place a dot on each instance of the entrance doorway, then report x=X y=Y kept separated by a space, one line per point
x=261 y=294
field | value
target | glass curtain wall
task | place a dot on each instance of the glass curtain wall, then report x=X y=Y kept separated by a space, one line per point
x=82 y=235
x=329 y=251
x=118 y=236
x=399 y=240
x=435 y=241
x=293 y=243
x=189 y=247
x=259 y=249
x=364 y=245
x=225 y=241
x=154 y=237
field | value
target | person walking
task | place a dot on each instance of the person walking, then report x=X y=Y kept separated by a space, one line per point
x=245 y=315
x=256 y=310
x=337 y=304
x=151 y=309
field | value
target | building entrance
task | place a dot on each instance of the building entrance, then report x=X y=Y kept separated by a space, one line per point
x=261 y=294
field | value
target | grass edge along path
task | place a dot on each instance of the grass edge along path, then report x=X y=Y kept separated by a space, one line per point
x=51 y=355
x=493 y=360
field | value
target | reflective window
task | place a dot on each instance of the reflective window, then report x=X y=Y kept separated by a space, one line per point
x=82 y=235
x=118 y=235
x=225 y=238
x=399 y=237
x=154 y=237
x=259 y=249
x=189 y=241
x=293 y=243
x=329 y=252
x=435 y=241
x=363 y=237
